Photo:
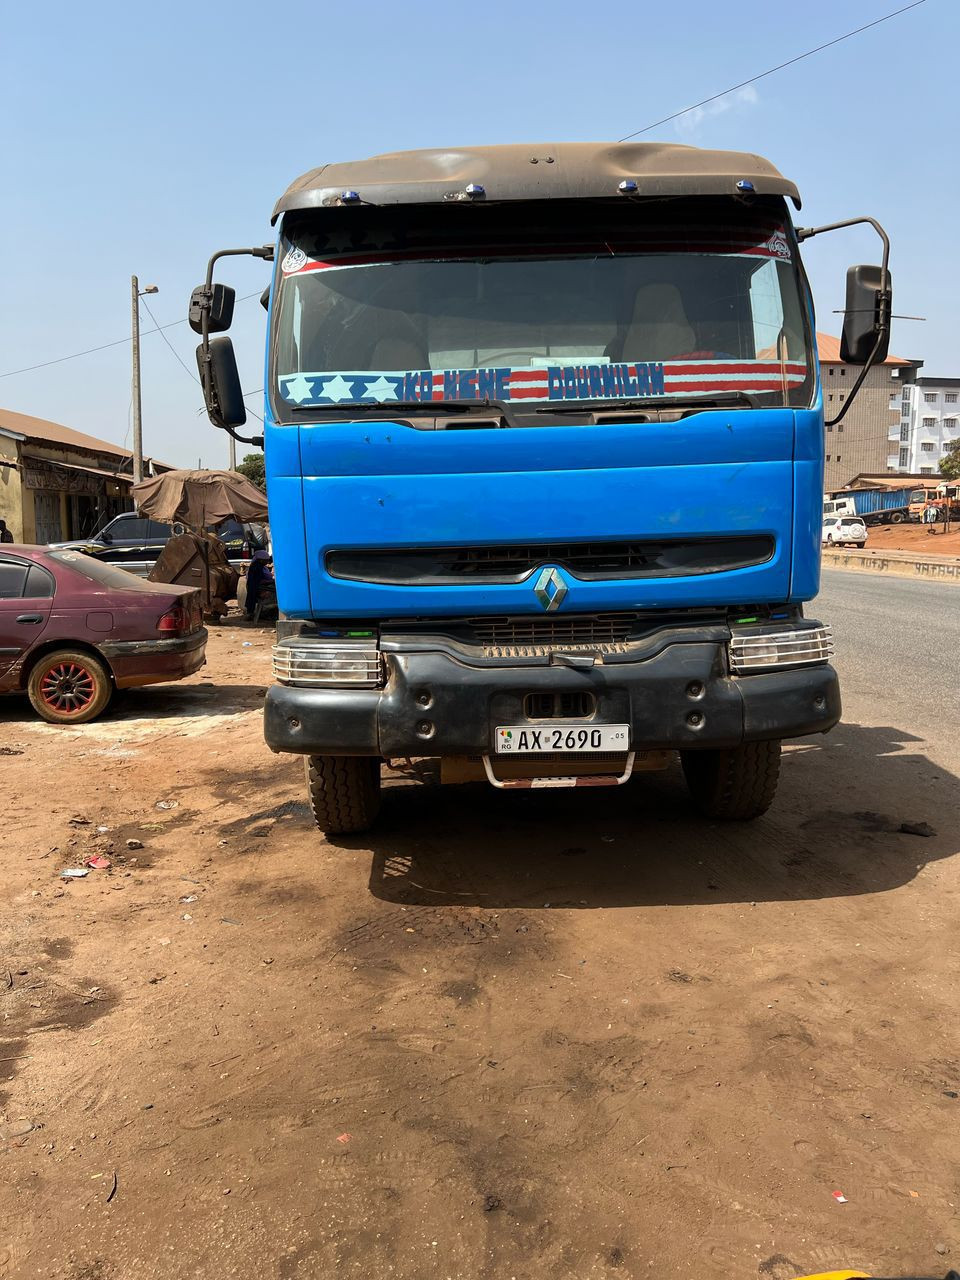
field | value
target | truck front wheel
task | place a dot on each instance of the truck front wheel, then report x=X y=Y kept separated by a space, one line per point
x=344 y=792
x=735 y=783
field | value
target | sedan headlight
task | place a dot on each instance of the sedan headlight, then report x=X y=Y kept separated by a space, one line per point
x=302 y=662
x=760 y=651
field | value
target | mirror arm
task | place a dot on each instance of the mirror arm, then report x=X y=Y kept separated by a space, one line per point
x=256 y=441
x=264 y=251
x=884 y=301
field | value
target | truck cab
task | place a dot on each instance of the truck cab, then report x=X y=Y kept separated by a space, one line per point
x=544 y=455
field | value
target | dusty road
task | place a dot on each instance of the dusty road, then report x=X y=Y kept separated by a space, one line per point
x=533 y=1036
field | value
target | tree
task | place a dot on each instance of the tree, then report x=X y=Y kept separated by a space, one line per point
x=253 y=468
x=950 y=462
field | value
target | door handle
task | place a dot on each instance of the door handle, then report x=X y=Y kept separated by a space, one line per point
x=31 y=618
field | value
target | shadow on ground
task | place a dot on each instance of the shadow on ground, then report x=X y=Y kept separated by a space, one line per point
x=833 y=832
x=153 y=705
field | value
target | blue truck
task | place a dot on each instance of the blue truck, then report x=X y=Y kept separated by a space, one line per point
x=544 y=438
x=873 y=506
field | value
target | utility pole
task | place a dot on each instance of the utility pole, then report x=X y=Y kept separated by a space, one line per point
x=137 y=408
x=233 y=454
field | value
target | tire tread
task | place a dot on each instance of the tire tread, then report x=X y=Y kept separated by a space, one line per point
x=735 y=783
x=344 y=792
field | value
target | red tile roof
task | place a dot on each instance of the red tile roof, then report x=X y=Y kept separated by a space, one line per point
x=828 y=349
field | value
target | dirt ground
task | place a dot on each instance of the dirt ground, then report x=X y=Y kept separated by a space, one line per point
x=930 y=540
x=560 y=1034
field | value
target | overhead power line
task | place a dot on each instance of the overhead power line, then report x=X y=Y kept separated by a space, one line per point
x=104 y=346
x=176 y=355
x=753 y=79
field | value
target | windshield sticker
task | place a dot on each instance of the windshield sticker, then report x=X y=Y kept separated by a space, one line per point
x=595 y=381
x=342 y=250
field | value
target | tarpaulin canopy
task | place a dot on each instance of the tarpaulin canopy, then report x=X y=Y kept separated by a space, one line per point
x=200 y=498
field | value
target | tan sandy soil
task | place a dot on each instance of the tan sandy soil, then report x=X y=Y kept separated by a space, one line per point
x=568 y=1034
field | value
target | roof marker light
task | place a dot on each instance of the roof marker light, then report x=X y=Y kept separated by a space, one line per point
x=349 y=197
x=745 y=185
x=474 y=189
x=628 y=186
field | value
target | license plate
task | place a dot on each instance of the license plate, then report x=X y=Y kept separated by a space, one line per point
x=515 y=739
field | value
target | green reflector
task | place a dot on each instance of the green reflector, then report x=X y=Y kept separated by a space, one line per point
x=356 y=635
x=742 y=620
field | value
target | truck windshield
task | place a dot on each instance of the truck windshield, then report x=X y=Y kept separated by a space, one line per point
x=534 y=304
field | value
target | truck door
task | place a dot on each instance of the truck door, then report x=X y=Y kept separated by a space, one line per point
x=26 y=600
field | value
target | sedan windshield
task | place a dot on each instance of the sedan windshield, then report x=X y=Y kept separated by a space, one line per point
x=535 y=306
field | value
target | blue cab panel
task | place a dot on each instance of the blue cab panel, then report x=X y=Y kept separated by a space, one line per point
x=381 y=485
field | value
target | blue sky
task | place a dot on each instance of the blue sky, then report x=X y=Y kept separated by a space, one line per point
x=140 y=138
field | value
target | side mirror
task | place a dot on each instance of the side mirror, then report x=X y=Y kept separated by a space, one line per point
x=221 y=384
x=866 y=316
x=105 y=536
x=218 y=301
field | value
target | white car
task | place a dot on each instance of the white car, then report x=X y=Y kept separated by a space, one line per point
x=839 y=531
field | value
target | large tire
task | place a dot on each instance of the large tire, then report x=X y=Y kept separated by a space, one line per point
x=344 y=792
x=896 y=517
x=735 y=783
x=69 y=686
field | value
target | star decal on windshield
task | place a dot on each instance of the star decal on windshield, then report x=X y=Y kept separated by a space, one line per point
x=299 y=389
x=337 y=389
x=382 y=389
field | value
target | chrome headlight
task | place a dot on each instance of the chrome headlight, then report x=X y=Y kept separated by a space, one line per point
x=759 y=651
x=306 y=662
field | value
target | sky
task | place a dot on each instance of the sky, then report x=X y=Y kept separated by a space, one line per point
x=138 y=139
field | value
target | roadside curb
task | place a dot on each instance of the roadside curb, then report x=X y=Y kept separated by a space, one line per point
x=903 y=564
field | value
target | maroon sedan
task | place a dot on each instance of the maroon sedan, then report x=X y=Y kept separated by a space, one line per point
x=73 y=630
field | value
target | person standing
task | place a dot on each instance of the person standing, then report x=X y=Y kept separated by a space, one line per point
x=5 y=534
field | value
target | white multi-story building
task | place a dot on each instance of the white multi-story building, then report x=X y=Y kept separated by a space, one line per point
x=929 y=423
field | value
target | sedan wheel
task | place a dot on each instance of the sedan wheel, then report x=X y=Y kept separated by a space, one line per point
x=69 y=687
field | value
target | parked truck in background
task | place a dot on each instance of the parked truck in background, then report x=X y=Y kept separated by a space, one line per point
x=873 y=506
x=544 y=455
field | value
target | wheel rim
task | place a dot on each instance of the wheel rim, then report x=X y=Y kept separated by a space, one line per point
x=68 y=688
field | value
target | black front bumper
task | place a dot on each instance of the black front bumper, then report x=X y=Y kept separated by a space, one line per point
x=435 y=705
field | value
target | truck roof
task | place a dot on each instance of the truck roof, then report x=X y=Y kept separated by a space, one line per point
x=536 y=171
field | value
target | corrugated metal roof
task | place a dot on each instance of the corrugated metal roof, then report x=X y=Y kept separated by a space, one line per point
x=41 y=431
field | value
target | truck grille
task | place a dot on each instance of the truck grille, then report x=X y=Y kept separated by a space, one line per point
x=638 y=558
x=523 y=637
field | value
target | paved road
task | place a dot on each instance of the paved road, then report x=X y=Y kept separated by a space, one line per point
x=898 y=651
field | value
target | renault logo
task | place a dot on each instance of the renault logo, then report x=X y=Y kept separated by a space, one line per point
x=550 y=589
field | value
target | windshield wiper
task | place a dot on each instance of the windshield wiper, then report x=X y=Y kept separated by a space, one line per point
x=433 y=407
x=604 y=405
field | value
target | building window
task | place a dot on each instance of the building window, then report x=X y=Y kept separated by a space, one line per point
x=830 y=371
x=929 y=397
x=906 y=395
x=830 y=397
x=840 y=424
x=838 y=457
x=843 y=374
x=950 y=397
x=949 y=423
x=841 y=397
x=904 y=431
x=926 y=471
x=829 y=457
x=904 y=457
x=929 y=422
x=927 y=447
